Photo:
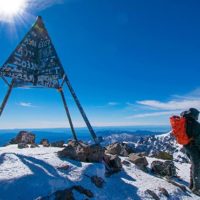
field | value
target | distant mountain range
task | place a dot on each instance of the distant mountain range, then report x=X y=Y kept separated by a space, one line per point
x=120 y=133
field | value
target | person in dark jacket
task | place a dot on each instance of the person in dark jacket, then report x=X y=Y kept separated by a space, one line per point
x=193 y=148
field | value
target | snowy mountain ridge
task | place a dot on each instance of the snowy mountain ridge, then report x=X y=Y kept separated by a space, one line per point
x=151 y=145
x=35 y=173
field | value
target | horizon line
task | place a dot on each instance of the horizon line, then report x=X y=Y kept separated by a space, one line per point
x=106 y=126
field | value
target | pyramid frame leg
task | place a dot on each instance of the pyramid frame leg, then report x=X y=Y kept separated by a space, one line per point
x=91 y=130
x=68 y=113
x=5 y=100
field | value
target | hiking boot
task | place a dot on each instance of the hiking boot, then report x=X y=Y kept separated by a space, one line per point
x=196 y=191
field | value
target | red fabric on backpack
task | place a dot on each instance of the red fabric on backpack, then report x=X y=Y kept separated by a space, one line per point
x=179 y=129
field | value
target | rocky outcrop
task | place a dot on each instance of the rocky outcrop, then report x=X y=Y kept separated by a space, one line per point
x=166 y=168
x=34 y=145
x=163 y=155
x=121 y=149
x=82 y=152
x=23 y=137
x=112 y=164
x=58 y=144
x=164 y=192
x=45 y=143
x=22 y=145
x=63 y=167
x=155 y=145
x=152 y=194
x=140 y=161
x=67 y=194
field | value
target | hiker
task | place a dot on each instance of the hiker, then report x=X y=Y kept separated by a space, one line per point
x=193 y=147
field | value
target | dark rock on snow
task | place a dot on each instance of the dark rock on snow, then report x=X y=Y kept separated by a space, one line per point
x=58 y=144
x=139 y=161
x=163 y=155
x=126 y=163
x=34 y=146
x=112 y=163
x=22 y=145
x=166 y=168
x=63 y=167
x=23 y=137
x=164 y=192
x=67 y=194
x=121 y=149
x=82 y=152
x=152 y=194
x=45 y=142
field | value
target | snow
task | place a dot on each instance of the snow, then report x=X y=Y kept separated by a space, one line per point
x=161 y=136
x=33 y=172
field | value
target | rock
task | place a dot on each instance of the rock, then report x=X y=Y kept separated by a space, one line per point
x=82 y=190
x=23 y=137
x=152 y=194
x=22 y=145
x=121 y=149
x=142 y=154
x=63 y=167
x=66 y=194
x=98 y=181
x=163 y=155
x=139 y=161
x=82 y=152
x=58 y=144
x=73 y=143
x=127 y=163
x=45 y=143
x=112 y=164
x=182 y=187
x=34 y=146
x=166 y=168
x=152 y=145
x=164 y=192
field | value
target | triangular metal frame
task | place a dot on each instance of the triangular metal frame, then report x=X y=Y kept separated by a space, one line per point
x=65 y=80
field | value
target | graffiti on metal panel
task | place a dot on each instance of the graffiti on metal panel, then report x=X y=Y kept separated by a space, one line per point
x=34 y=60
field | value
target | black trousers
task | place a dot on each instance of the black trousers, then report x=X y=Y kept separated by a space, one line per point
x=193 y=152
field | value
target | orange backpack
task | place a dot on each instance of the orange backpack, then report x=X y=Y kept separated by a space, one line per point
x=178 y=125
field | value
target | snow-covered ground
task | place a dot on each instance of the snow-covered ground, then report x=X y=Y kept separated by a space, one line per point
x=26 y=174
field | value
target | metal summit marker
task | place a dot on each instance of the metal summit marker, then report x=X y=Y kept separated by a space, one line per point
x=35 y=63
x=35 y=60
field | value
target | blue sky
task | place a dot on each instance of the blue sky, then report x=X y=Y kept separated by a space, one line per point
x=130 y=62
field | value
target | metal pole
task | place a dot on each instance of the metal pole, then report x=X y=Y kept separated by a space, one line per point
x=6 y=97
x=81 y=110
x=68 y=113
x=75 y=98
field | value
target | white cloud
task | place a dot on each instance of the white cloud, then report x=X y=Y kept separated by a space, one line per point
x=154 y=114
x=176 y=105
x=26 y=104
x=179 y=104
x=195 y=94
